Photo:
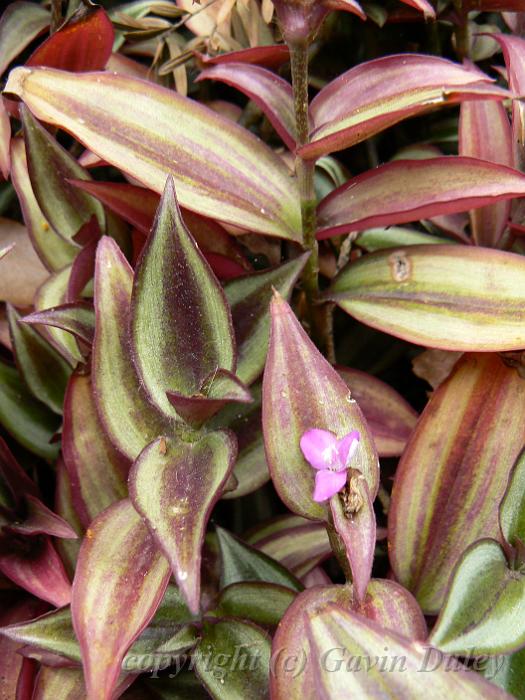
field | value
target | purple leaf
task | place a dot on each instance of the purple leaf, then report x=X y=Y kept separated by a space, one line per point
x=380 y=93
x=39 y=520
x=219 y=388
x=174 y=485
x=82 y=43
x=77 y=318
x=119 y=582
x=35 y=566
x=270 y=92
x=484 y=132
x=128 y=417
x=97 y=471
x=447 y=489
x=55 y=251
x=181 y=323
x=409 y=190
x=295 y=369
x=390 y=418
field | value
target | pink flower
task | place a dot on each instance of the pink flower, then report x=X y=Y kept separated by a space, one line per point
x=331 y=457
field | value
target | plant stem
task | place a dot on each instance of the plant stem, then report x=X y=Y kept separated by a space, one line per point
x=339 y=551
x=56 y=15
x=305 y=176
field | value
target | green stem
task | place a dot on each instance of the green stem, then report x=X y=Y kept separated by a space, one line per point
x=305 y=175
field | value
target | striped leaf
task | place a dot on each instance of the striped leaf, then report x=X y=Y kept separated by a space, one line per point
x=97 y=471
x=181 y=323
x=447 y=489
x=119 y=582
x=78 y=318
x=128 y=417
x=484 y=610
x=387 y=604
x=379 y=93
x=21 y=22
x=50 y=166
x=485 y=132
x=174 y=486
x=448 y=297
x=42 y=368
x=409 y=190
x=270 y=92
x=390 y=418
x=222 y=170
x=55 y=251
x=297 y=543
x=295 y=369
x=339 y=637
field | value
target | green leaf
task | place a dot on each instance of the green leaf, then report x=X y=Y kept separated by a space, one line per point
x=508 y=672
x=373 y=239
x=387 y=604
x=336 y=634
x=448 y=488
x=54 y=293
x=55 y=251
x=28 y=420
x=249 y=298
x=21 y=22
x=261 y=602
x=221 y=170
x=181 y=324
x=53 y=632
x=296 y=370
x=512 y=508
x=128 y=417
x=119 y=582
x=43 y=369
x=240 y=562
x=448 y=297
x=65 y=207
x=97 y=471
x=484 y=610
x=233 y=660
x=174 y=486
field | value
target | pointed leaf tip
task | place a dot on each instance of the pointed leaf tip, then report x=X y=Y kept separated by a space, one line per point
x=294 y=369
x=179 y=311
x=174 y=486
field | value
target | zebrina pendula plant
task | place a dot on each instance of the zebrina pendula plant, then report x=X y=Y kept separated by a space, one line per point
x=137 y=368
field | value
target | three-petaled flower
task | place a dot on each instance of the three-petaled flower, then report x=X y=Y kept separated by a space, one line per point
x=331 y=457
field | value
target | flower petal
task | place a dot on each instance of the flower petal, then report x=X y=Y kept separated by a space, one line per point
x=347 y=447
x=320 y=448
x=328 y=483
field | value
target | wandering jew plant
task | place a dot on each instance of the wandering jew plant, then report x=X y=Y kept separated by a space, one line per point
x=240 y=244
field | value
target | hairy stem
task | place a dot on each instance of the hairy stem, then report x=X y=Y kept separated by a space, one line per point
x=305 y=176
